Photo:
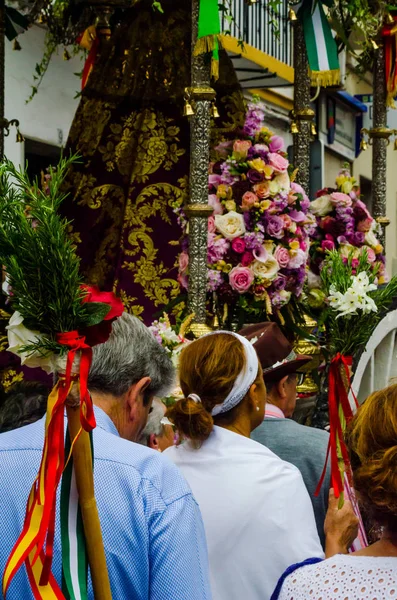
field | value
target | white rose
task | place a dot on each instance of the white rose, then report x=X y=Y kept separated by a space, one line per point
x=266 y=270
x=346 y=250
x=230 y=225
x=321 y=206
x=19 y=336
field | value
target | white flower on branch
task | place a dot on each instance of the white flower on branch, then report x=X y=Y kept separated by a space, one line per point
x=20 y=336
x=355 y=298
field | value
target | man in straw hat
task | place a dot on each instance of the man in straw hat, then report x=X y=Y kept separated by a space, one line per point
x=304 y=447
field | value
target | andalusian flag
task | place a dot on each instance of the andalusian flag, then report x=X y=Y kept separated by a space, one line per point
x=322 y=51
x=74 y=553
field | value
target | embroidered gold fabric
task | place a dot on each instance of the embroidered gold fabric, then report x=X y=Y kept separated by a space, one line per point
x=134 y=143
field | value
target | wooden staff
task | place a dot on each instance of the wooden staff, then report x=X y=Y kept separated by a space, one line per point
x=83 y=468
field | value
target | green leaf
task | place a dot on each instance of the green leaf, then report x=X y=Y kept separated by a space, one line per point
x=157 y=6
x=97 y=311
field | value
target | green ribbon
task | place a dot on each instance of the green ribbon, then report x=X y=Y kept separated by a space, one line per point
x=322 y=51
x=209 y=28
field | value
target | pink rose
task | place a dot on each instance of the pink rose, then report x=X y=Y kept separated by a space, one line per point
x=340 y=199
x=287 y=221
x=240 y=279
x=211 y=224
x=248 y=201
x=361 y=205
x=214 y=201
x=276 y=144
x=183 y=262
x=278 y=162
x=240 y=149
x=365 y=225
x=282 y=256
x=247 y=259
x=238 y=245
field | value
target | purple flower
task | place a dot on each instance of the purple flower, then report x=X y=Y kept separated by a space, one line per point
x=226 y=177
x=280 y=203
x=276 y=144
x=261 y=150
x=214 y=280
x=217 y=248
x=275 y=227
x=359 y=238
x=254 y=176
x=214 y=179
x=253 y=240
x=279 y=283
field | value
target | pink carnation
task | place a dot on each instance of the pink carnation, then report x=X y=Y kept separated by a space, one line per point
x=238 y=245
x=240 y=279
x=282 y=256
x=278 y=162
x=248 y=201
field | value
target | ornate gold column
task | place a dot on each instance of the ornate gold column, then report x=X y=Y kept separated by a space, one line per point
x=379 y=135
x=199 y=97
x=302 y=115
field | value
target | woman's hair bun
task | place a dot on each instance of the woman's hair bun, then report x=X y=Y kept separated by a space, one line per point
x=191 y=419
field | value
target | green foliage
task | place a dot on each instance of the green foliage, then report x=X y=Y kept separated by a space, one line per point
x=39 y=258
x=349 y=334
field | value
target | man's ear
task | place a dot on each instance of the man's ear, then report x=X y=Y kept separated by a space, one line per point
x=153 y=442
x=280 y=387
x=136 y=393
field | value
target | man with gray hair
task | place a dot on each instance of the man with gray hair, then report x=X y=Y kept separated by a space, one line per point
x=152 y=529
x=159 y=431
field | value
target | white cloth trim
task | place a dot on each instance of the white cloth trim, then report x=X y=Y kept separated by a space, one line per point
x=245 y=378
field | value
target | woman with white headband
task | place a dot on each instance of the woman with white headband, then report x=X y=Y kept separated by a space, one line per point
x=257 y=513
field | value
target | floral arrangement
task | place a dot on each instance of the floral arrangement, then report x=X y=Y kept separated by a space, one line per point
x=56 y=321
x=173 y=340
x=343 y=224
x=259 y=233
x=355 y=303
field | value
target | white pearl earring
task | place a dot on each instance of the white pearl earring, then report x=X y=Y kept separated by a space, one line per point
x=257 y=408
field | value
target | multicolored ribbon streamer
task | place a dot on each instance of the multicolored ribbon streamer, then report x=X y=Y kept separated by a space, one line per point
x=322 y=51
x=39 y=526
x=209 y=29
x=389 y=34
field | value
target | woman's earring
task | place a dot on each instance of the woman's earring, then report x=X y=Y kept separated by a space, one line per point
x=257 y=408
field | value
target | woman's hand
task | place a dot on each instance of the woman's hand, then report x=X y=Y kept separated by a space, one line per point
x=340 y=526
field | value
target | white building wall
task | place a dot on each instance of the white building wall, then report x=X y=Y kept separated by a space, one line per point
x=47 y=118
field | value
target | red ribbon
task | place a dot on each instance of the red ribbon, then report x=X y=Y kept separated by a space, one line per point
x=389 y=33
x=89 y=41
x=338 y=397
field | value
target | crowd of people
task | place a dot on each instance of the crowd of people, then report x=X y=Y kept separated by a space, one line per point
x=215 y=497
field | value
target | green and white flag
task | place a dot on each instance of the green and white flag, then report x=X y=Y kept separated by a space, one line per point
x=74 y=553
x=322 y=51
